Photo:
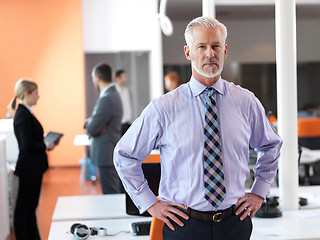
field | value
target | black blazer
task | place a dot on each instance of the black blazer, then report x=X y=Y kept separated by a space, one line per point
x=32 y=160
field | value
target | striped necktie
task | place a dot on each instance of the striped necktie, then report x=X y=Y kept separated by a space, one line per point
x=213 y=169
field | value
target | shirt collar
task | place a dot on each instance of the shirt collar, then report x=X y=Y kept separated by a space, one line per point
x=197 y=88
x=106 y=89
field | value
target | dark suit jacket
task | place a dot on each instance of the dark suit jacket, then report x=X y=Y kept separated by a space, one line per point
x=32 y=160
x=107 y=113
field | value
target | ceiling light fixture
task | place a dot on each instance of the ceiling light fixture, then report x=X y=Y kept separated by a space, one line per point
x=165 y=22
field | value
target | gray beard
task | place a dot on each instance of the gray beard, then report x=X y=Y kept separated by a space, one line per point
x=202 y=73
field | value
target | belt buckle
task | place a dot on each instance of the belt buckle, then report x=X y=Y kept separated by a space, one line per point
x=215 y=217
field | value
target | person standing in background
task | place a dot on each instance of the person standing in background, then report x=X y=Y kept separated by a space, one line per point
x=121 y=80
x=32 y=160
x=104 y=127
x=172 y=80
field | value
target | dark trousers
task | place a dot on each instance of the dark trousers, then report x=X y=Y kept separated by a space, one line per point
x=25 y=221
x=228 y=229
x=109 y=180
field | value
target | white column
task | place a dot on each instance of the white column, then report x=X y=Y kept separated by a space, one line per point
x=208 y=8
x=285 y=11
x=156 y=63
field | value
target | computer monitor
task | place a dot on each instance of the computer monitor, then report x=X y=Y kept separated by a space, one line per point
x=152 y=173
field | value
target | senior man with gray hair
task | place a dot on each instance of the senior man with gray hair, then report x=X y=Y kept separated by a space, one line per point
x=203 y=129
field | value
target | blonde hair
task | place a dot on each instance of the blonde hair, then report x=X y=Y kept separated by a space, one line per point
x=22 y=86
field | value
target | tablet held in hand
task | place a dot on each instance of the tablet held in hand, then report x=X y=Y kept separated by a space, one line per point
x=53 y=137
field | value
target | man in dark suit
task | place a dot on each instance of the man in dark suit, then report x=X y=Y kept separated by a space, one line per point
x=104 y=127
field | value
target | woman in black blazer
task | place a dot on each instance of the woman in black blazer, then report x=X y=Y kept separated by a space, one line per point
x=32 y=161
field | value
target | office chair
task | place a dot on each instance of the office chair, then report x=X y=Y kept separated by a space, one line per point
x=309 y=150
x=156 y=229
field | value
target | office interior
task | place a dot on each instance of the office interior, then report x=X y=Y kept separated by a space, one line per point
x=56 y=44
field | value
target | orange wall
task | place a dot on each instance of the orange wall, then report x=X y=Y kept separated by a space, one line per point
x=42 y=40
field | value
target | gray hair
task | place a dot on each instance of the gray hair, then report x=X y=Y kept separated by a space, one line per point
x=207 y=22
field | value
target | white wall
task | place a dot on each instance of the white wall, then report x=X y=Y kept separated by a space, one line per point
x=122 y=25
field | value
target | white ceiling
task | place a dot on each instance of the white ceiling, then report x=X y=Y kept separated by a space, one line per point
x=238 y=9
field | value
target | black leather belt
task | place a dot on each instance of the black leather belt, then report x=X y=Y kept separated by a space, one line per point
x=216 y=216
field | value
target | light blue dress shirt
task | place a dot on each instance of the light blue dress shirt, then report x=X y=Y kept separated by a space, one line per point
x=174 y=122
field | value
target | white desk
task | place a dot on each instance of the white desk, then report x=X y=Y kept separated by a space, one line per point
x=83 y=140
x=312 y=193
x=58 y=230
x=302 y=225
x=109 y=211
x=90 y=207
x=113 y=205
x=298 y=225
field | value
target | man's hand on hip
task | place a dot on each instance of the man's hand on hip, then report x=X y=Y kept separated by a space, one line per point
x=250 y=203
x=166 y=211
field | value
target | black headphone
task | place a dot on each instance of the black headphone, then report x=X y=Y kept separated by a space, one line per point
x=81 y=231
